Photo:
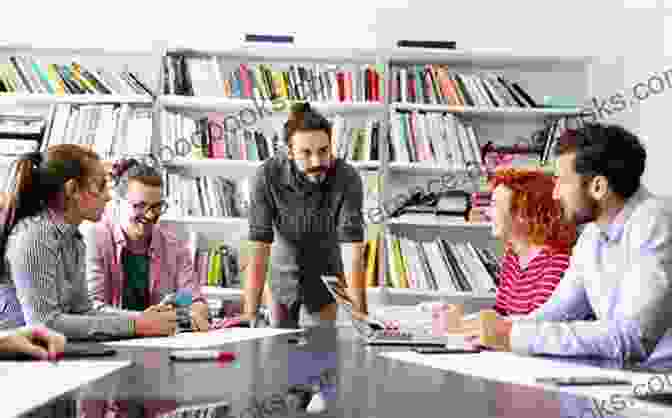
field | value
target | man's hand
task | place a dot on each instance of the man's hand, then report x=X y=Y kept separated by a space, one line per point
x=159 y=308
x=199 y=317
x=40 y=342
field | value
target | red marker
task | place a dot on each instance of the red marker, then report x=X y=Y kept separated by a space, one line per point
x=197 y=355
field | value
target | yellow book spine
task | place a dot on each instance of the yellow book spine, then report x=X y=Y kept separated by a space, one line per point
x=371 y=263
x=401 y=264
x=56 y=80
x=77 y=74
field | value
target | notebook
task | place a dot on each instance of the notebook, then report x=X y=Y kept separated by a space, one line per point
x=374 y=333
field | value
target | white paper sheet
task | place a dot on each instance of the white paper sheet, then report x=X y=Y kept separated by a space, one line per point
x=191 y=340
x=29 y=384
x=511 y=368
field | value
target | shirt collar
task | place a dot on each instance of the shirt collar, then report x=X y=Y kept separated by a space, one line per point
x=64 y=229
x=120 y=237
x=614 y=231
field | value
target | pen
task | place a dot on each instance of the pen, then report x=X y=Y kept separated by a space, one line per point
x=196 y=355
x=583 y=381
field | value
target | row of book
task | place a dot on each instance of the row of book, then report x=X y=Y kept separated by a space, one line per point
x=26 y=74
x=190 y=75
x=207 y=196
x=352 y=139
x=436 y=84
x=433 y=137
x=217 y=266
x=433 y=265
x=206 y=138
x=110 y=130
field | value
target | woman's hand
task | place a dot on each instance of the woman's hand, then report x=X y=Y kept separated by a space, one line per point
x=40 y=342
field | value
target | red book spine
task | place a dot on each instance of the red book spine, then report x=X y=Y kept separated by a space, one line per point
x=340 y=79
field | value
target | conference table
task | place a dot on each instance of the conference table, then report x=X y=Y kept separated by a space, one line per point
x=357 y=382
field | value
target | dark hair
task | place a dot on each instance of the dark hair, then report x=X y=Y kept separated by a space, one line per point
x=39 y=180
x=303 y=118
x=125 y=170
x=606 y=150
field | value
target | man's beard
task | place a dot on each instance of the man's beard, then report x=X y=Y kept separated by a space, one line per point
x=588 y=212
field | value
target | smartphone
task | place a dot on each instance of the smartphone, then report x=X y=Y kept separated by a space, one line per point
x=446 y=350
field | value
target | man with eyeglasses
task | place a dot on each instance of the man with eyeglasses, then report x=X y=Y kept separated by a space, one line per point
x=132 y=262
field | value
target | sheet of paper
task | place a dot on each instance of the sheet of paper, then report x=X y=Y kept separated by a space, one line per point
x=511 y=368
x=35 y=383
x=189 y=340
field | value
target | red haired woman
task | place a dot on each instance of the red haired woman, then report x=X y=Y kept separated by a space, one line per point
x=538 y=239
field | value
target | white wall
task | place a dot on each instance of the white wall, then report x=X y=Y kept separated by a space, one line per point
x=628 y=36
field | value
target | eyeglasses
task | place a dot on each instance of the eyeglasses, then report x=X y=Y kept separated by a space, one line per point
x=160 y=207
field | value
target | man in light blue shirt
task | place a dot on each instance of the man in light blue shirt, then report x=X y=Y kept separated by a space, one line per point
x=621 y=266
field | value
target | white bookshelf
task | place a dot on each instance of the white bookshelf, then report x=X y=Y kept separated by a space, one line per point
x=559 y=76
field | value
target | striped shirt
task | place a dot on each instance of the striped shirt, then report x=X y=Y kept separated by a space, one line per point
x=523 y=289
x=45 y=282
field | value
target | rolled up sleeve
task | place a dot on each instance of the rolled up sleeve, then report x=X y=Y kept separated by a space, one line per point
x=261 y=211
x=351 y=217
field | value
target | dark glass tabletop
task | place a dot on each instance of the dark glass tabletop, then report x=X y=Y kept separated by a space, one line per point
x=353 y=379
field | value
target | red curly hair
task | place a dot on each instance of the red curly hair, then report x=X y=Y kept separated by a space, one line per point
x=532 y=203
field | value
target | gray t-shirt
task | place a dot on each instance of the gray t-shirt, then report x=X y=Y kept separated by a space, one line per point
x=306 y=222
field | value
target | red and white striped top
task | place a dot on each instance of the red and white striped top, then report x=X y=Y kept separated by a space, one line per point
x=522 y=290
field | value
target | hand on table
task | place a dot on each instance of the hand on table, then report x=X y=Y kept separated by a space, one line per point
x=156 y=324
x=199 y=317
x=40 y=342
x=499 y=337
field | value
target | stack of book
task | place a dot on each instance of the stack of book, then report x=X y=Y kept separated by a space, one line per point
x=20 y=133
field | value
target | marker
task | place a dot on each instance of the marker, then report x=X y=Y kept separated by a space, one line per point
x=197 y=355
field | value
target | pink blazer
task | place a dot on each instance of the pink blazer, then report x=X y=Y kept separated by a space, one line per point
x=171 y=265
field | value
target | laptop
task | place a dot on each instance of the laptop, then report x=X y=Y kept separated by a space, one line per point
x=70 y=351
x=373 y=331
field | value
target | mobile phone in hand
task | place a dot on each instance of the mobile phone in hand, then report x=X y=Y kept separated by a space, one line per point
x=446 y=350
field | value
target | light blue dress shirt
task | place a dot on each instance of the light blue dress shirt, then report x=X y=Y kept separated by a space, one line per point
x=623 y=275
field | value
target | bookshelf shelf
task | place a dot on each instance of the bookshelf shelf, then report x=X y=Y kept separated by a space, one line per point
x=422 y=168
x=490 y=112
x=206 y=221
x=50 y=99
x=444 y=222
x=234 y=169
x=434 y=293
x=234 y=293
x=194 y=104
x=480 y=58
